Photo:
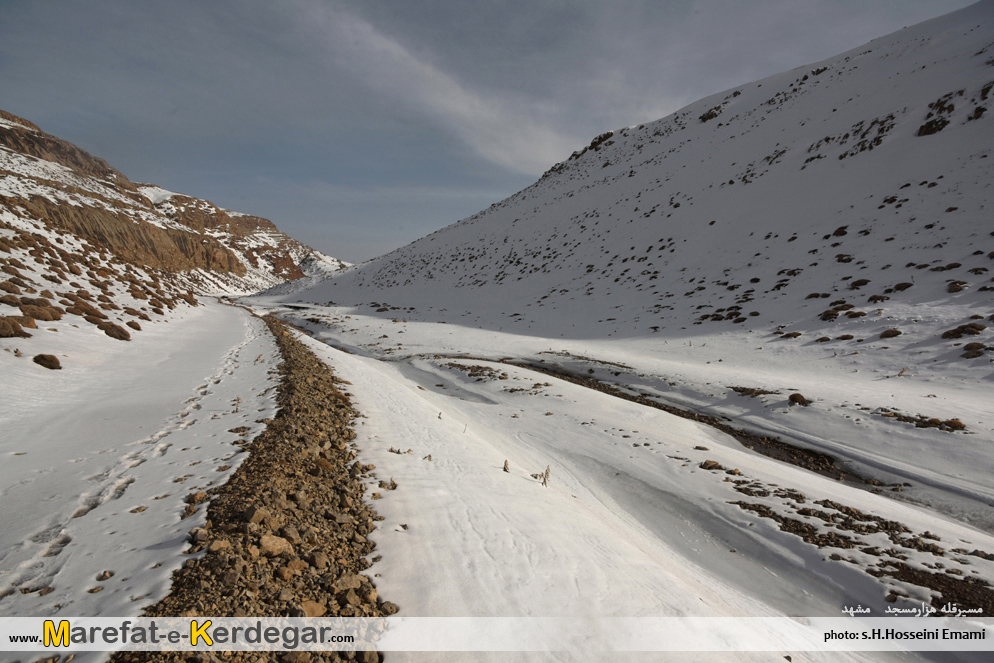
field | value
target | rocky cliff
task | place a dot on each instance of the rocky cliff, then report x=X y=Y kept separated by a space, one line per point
x=78 y=238
x=50 y=185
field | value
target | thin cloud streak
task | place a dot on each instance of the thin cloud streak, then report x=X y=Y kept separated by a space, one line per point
x=512 y=135
x=380 y=100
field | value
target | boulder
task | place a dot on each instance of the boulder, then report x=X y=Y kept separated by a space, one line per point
x=272 y=546
x=255 y=514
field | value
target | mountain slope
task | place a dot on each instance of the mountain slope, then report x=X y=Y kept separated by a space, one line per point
x=795 y=269
x=823 y=236
x=267 y=255
x=49 y=185
x=845 y=197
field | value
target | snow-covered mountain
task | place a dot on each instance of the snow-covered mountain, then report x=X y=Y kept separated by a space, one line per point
x=49 y=187
x=798 y=268
x=836 y=201
x=269 y=256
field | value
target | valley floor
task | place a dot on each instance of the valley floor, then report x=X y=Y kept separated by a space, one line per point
x=633 y=522
x=642 y=513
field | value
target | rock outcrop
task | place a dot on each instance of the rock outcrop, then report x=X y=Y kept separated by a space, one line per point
x=49 y=186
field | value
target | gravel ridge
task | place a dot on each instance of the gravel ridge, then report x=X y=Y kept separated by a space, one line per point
x=287 y=535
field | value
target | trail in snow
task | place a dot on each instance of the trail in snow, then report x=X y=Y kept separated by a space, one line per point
x=99 y=459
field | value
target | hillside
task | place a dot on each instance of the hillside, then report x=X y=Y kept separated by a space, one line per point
x=750 y=342
x=51 y=186
x=846 y=197
x=120 y=374
x=785 y=234
x=80 y=243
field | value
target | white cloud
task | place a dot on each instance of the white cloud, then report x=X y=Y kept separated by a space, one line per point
x=515 y=134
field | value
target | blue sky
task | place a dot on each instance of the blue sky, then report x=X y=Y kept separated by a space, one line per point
x=359 y=126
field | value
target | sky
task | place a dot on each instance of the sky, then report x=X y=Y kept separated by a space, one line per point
x=358 y=126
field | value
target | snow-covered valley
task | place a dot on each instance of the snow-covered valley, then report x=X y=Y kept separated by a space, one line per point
x=631 y=522
x=736 y=363
x=802 y=259
x=101 y=460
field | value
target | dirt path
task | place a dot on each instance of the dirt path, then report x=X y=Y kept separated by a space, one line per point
x=287 y=535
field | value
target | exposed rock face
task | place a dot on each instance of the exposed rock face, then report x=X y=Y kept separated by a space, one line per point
x=88 y=198
x=30 y=140
x=48 y=185
x=259 y=245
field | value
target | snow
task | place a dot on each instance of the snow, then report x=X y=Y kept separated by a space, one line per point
x=620 y=531
x=643 y=251
x=14 y=125
x=637 y=263
x=668 y=260
x=98 y=457
x=156 y=194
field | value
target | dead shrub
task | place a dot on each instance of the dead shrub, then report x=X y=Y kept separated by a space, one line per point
x=970 y=329
x=36 y=301
x=10 y=300
x=43 y=313
x=134 y=325
x=890 y=333
x=794 y=334
x=114 y=331
x=10 y=328
x=973 y=350
x=90 y=310
x=189 y=298
x=50 y=362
